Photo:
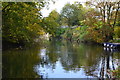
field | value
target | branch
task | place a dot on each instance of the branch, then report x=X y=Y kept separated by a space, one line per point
x=3 y=10
x=116 y=13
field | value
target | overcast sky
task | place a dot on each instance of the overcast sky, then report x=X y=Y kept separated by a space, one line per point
x=58 y=6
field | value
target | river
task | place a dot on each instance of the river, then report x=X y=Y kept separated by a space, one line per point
x=59 y=59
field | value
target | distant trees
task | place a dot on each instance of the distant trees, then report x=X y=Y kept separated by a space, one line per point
x=98 y=20
x=72 y=14
x=22 y=22
x=51 y=23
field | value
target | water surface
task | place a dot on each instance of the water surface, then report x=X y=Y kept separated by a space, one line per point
x=59 y=59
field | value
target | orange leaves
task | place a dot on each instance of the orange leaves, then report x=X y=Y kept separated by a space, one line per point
x=98 y=32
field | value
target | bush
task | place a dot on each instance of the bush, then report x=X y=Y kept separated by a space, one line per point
x=117 y=32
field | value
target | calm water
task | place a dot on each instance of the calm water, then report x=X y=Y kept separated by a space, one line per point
x=59 y=59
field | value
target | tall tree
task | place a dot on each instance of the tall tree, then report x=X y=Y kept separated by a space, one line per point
x=72 y=13
x=51 y=23
x=20 y=21
x=108 y=9
x=108 y=13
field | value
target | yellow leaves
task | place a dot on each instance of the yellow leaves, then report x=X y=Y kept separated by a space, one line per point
x=41 y=32
x=40 y=20
x=28 y=27
x=78 y=28
x=35 y=28
x=117 y=32
x=25 y=5
x=21 y=22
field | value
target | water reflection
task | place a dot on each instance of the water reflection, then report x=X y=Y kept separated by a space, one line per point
x=20 y=63
x=61 y=59
x=67 y=60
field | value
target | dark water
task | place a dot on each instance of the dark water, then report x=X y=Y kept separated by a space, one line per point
x=59 y=59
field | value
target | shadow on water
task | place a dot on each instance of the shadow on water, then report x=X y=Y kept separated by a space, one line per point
x=60 y=59
x=20 y=63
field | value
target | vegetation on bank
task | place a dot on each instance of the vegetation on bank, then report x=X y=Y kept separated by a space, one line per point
x=22 y=22
x=99 y=24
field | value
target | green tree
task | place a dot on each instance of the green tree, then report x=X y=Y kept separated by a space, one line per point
x=71 y=14
x=20 y=21
x=51 y=23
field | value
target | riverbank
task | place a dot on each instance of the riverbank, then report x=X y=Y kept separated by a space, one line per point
x=8 y=45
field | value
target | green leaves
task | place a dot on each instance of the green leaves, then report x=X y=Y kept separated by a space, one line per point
x=51 y=23
x=21 y=22
x=71 y=14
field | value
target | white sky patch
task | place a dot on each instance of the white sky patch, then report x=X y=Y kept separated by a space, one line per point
x=59 y=4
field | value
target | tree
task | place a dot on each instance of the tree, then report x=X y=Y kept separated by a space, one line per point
x=72 y=14
x=51 y=23
x=20 y=21
x=108 y=13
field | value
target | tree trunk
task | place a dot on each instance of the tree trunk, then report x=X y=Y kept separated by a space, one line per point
x=116 y=14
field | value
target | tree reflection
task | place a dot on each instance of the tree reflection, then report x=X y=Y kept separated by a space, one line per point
x=50 y=55
x=20 y=63
x=108 y=63
x=93 y=59
x=105 y=63
x=75 y=56
x=32 y=62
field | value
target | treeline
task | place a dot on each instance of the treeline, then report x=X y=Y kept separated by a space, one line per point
x=58 y=24
x=22 y=22
x=98 y=22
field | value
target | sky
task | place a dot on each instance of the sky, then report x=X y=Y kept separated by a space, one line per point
x=59 y=4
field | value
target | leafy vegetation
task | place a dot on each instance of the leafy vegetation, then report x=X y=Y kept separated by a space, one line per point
x=50 y=23
x=21 y=21
x=97 y=22
x=71 y=14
